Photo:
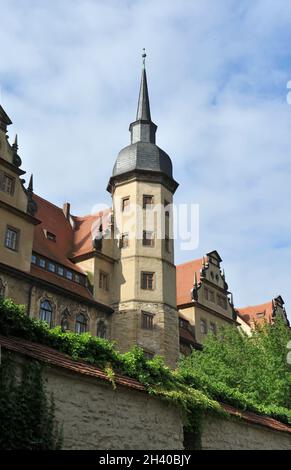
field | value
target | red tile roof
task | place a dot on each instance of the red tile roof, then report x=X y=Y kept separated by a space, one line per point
x=61 y=282
x=52 y=219
x=70 y=239
x=51 y=356
x=250 y=314
x=258 y=419
x=85 y=229
x=58 y=359
x=185 y=279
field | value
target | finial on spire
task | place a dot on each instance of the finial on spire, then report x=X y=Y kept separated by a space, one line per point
x=143 y=57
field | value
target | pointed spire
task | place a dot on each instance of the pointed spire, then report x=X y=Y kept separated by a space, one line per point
x=143 y=129
x=15 y=143
x=30 y=186
x=195 y=280
x=143 y=108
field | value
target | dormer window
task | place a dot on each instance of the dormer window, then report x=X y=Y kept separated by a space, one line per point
x=50 y=236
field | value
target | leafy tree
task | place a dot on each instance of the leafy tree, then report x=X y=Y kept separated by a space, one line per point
x=248 y=371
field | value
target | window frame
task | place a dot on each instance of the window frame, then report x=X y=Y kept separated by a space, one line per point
x=145 y=286
x=125 y=207
x=103 y=276
x=148 y=206
x=148 y=242
x=81 y=323
x=46 y=310
x=16 y=231
x=124 y=236
x=147 y=320
x=4 y=177
x=203 y=322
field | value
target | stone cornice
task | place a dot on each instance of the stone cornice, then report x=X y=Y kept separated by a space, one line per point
x=19 y=213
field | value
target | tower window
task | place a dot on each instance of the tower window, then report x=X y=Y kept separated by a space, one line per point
x=46 y=311
x=102 y=329
x=12 y=238
x=125 y=204
x=103 y=281
x=147 y=320
x=124 y=240
x=7 y=184
x=147 y=280
x=166 y=206
x=81 y=324
x=203 y=326
x=148 y=201
x=148 y=238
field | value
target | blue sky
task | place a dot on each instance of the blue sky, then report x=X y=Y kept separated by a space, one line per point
x=217 y=72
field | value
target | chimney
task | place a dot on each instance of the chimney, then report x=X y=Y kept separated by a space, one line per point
x=66 y=210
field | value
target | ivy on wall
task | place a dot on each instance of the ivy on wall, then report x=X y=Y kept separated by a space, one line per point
x=27 y=420
x=181 y=387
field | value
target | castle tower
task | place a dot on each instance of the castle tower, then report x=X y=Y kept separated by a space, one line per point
x=142 y=188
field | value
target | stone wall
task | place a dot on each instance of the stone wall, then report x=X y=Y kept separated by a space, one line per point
x=95 y=416
x=234 y=434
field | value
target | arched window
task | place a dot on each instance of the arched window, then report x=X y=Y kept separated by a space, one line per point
x=65 y=321
x=81 y=323
x=102 y=329
x=2 y=289
x=46 y=311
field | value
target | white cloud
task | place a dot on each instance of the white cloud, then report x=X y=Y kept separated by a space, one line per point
x=218 y=73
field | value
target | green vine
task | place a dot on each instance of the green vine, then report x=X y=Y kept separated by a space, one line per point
x=189 y=387
x=27 y=420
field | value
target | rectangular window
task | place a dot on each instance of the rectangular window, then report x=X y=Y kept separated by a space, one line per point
x=33 y=259
x=147 y=320
x=11 y=238
x=125 y=204
x=203 y=326
x=60 y=271
x=51 y=236
x=209 y=294
x=103 y=280
x=147 y=280
x=51 y=267
x=167 y=209
x=124 y=240
x=7 y=184
x=69 y=275
x=148 y=238
x=77 y=278
x=212 y=328
x=221 y=301
x=148 y=201
x=42 y=262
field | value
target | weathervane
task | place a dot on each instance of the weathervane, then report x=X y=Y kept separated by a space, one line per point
x=144 y=56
